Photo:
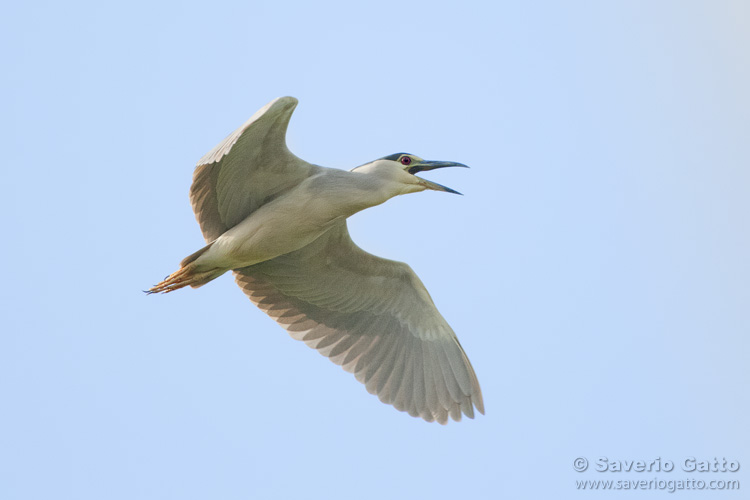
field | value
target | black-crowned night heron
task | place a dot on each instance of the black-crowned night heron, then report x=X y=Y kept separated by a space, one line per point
x=279 y=223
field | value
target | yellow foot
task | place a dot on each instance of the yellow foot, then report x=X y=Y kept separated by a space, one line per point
x=174 y=281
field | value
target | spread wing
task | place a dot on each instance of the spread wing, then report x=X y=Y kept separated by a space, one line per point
x=373 y=317
x=246 y=170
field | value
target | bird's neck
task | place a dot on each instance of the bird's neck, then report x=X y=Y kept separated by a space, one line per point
x=337 y=193
x=371 y=190
x=354 y=192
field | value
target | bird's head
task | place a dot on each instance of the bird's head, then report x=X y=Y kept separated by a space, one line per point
x=402 y=167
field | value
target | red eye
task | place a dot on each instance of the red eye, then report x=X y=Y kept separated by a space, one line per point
x=405 y=160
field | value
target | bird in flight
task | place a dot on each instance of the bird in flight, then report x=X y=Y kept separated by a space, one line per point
x=279 y=224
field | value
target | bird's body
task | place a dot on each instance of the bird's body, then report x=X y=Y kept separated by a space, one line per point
x=295 y=219
x=279 y=223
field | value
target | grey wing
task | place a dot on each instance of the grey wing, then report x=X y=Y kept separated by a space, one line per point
x=246 y=170
x=373 y=317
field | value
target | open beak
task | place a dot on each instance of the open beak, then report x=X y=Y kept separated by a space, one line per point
x=432 y=165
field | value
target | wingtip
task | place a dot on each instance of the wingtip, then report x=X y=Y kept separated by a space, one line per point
x=285 y=101
x=479 y=404
x=280 y=105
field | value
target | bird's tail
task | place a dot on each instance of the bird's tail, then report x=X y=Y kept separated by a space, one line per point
x=187 y=275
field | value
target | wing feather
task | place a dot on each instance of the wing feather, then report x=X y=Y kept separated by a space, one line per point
x=373 y=317
x=246 y=170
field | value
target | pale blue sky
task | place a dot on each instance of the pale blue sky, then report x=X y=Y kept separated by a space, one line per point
x=596 y=270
